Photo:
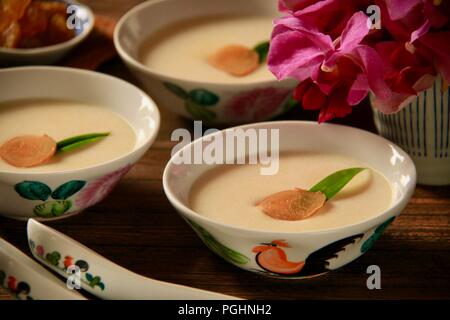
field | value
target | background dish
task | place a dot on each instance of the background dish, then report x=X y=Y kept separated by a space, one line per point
x=227 y=103
x=50 y=54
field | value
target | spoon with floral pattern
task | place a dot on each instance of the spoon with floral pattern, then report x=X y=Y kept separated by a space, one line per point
x=98 y=275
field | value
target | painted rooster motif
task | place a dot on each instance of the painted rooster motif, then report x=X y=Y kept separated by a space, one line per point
x=272 y=258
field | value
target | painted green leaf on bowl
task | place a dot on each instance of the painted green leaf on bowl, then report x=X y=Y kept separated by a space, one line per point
x=33 y=190
x=218 y=248
x=369 y=243
x=204 y=97
x=52 y=209
x=335 y=182
x=199 y=112
x=176 y=90
x=68 y=189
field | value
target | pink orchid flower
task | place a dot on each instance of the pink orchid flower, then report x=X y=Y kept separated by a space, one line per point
x=327 y=16
x=416 y=17
x=406 y=73
x=415 y=22
x=340 y=73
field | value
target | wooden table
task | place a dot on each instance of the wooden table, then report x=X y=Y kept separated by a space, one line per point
x=137 y=228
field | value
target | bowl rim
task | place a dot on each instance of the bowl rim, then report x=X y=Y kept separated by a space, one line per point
x=145 y=144
x=129 y=59
x=393 y=208
x=58 y=46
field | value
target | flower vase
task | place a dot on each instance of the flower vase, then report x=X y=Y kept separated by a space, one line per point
x=422 y=129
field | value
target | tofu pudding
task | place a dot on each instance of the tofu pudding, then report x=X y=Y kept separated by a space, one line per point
x=229 y=193
x=61 y=119
x=181 y=50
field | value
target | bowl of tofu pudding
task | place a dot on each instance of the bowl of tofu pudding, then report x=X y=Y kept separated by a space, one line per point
x=205 y=59
x=274 y=208
x=67 y=138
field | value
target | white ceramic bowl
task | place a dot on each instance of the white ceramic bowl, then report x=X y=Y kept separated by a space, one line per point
x=83 y=86
x=321 y=251
x=54 y=53
x=234 y=102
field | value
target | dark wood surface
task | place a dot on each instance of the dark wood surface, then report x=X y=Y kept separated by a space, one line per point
x=137 y=228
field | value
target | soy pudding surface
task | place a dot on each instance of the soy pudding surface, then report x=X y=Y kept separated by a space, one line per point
x=229 y=193
x=181 y=50
x=61 y=119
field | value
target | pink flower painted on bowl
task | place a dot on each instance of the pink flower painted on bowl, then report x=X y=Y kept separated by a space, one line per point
x=256 y=105
x=98 y=190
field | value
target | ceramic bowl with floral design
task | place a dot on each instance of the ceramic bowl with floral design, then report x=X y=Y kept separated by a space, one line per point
x=302 y=254
x=60 y=194
x=213 y=102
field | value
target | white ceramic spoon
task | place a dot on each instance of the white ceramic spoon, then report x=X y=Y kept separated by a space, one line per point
x=25 y=279
x=100 y=276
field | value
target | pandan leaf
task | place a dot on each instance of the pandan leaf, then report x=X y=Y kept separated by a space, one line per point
x=52 y=209
x=198 y=112
x=68 y=189
x=72 y=143
x=334 y=183
x=178 y=91
x=262 y=49
x=204 y=97
x=33 y=190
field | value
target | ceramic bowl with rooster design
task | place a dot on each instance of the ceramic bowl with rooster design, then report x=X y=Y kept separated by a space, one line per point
x=214 y=102
x=60 y=194
x=302 y=254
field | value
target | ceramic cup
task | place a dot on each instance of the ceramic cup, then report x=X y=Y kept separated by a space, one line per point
x=83 y=187
x=222 y=103
x=51 y=54
x=422 y=128
x=320 y=251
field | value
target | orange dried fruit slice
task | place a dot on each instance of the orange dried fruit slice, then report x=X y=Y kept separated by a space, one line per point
x=236 y=60
x=28 y=151
x=292 y=205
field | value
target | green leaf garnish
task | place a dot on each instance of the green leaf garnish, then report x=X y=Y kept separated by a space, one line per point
x=79 y=141
x=262 y=49
x=334 y=183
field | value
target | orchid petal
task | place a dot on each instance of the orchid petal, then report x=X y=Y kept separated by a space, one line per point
x=359 y=90
x=295 y=51
x=438 y=43
x=372 y=65
x=398 y=9
x=355 y=31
